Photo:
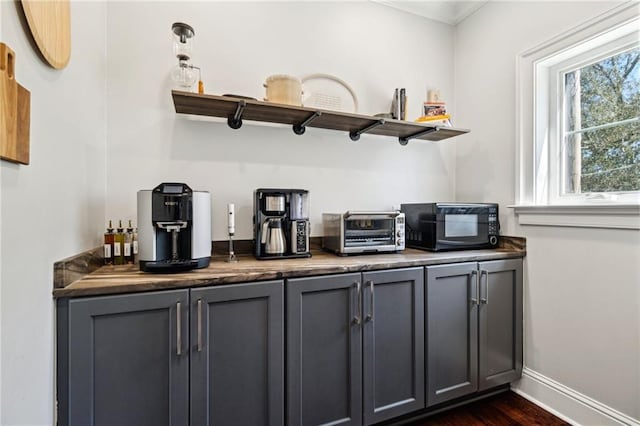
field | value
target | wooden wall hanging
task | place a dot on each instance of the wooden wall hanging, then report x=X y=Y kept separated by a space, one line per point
x=15 y=111
x=50 y=25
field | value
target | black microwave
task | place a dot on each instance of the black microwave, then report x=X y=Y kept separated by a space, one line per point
x=451 y=226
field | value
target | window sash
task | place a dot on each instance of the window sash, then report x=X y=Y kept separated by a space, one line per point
x=552 y=182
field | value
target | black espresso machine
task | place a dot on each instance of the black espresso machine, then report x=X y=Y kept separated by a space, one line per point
x=174 y=228
x=281 y=223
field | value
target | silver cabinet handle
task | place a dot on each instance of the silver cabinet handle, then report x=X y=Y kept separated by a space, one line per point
x=358 y=318
x=179 y=329
x=485 y=299
x=474 y=288
x=199 y=325
x=371 y=302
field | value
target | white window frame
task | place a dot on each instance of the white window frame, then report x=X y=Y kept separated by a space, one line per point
x=538 y=201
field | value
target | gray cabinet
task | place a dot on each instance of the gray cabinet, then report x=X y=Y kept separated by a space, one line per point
x=237 y=355
x=393 y=343
x=130 y=359
x=124 y=360
x=324 y=347
x=452 y=331
x=474 y=327
x=500 y=322
x=355 y=347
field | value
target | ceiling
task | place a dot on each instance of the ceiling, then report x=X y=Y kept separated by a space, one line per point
x=451 y=12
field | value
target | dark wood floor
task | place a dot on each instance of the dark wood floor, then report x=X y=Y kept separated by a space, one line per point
x=505 y=409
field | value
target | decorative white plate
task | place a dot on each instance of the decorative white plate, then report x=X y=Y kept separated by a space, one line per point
x=328 y=92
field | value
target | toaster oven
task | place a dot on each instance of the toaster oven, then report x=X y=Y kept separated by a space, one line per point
x=357 y=232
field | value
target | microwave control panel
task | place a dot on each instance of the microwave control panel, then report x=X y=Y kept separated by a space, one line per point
x=493 y=226
x=493 y=221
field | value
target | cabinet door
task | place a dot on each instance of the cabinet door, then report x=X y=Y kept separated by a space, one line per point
x=124 y=360
x=452 y=331
x=324 y=350
x=237 y=355
x=500 y=322
x=393 y=348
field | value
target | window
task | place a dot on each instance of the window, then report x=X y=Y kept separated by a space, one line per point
x=591 y=120
x=599 y=132
x=578 y=127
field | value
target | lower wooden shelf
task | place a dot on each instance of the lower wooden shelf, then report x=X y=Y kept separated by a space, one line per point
x=236 y=110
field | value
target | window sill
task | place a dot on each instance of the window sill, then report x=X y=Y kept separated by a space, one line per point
x=610 y=216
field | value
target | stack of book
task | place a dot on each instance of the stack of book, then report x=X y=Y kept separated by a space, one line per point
x=435 y=113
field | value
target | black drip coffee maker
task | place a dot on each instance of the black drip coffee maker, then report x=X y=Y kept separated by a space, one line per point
x=281 y=223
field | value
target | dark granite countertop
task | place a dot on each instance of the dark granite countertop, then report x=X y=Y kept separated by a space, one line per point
x=129 y=279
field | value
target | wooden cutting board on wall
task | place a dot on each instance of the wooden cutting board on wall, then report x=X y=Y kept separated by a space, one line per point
x=15 y=111
x=50 y=25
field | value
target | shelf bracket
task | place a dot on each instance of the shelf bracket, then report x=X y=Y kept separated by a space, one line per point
x=299 y=129
x=235 y=122
x=356 y=135
x=405 y=140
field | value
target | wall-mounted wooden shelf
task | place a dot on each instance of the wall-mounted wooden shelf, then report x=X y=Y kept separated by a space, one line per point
x=235 y=110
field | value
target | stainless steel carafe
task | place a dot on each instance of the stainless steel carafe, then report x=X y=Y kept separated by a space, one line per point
x=273 y=236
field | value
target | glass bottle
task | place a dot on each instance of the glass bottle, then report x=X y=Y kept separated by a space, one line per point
x=135 y=244
x=128 y=244
x=108 y=245
x=118 y=246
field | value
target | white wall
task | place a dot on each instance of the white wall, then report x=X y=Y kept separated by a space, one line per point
x=101 y=130
x=238 y=45
x=582 y=299
x=52 y=208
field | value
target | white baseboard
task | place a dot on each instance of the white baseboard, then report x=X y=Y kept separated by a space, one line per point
x=566 y=403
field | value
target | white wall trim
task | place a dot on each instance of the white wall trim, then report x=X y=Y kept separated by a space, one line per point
x=569 y=404
x=613 y=216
